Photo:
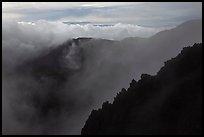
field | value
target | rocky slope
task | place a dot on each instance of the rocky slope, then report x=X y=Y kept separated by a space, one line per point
x=167 y=103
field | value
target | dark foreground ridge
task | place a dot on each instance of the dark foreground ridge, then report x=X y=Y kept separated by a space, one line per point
x=168 y=103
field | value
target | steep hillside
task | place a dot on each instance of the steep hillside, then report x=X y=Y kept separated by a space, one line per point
x=167 y=103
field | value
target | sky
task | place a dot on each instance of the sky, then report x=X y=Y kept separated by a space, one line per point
x=156 y=14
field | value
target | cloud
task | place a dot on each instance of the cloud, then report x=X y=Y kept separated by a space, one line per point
x=19 y=6
x=36 y=37
x=61 y=32
x=138 y=13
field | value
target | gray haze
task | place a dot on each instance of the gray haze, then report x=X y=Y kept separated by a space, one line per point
x=97 y=70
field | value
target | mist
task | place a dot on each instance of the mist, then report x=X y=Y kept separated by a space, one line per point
x=51 y=82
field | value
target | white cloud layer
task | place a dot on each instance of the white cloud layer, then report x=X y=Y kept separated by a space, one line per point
x=57 y=32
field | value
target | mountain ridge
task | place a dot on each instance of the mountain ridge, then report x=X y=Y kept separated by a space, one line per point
x=155 y=104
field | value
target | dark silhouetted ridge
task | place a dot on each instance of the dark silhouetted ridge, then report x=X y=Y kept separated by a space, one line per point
x=168 y=103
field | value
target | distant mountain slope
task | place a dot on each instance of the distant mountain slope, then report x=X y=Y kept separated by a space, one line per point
x=119 y=61
x=170 y=42
x=168 y=103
